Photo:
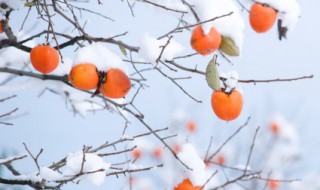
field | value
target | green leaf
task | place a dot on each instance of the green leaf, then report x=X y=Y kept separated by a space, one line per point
x=212 y=74
x=123 y=50
x=229 y=47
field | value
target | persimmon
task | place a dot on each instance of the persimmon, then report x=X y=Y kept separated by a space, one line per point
x=191 y=126
x=205 y=44
x=262 y=17
x=116 y=85
x=157 y=152
x=274 y=127
x=44 y=59
x=84 y=76
x=1 y=28
x=186 y=185
x=176 y=148
x=273 y=185
x=220 y=160
x=136 y=153
x=227 y=106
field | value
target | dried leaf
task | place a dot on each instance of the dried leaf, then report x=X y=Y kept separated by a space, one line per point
x=212 y=74
x=229 y=47
x=123 y=50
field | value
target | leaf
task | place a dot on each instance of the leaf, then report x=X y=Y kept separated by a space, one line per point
x=229 y=47
x=123 y=50
x=212 y=74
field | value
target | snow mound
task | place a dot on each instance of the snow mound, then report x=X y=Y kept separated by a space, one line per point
x=198 y=174
x=92 y=163
x=100 y=56
x=150 y=48
x=230 y=26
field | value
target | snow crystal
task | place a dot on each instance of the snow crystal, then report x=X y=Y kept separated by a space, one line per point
x=150 y=48
x=190 y=157
x=100 y=56
x=289 y=11
x=92 y=163
x=231 y=26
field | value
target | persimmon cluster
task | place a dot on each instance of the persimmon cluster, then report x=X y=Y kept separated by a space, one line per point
x=112 y=83
x=228 y=105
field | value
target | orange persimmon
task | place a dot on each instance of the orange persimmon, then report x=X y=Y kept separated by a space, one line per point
x=117 y=84
x=186 y=185
x=44 y=59
x=191 y=126
x=136 y=153
x=275 y=128
x=84 y=76
x=1 y=28
x=157 y=152
x=220 y=160
x=273 y=185
x=205 y=44
x=227 y=106
x=262 y=17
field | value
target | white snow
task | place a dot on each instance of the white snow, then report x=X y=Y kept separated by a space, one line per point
x=231 y=81
x=289 y=11
x=32 y=177
x=143 y=144
x=126 y=137
x=231 y=26
x=92 y=163
x=100 y=56
x=191 y=158
x=50 y=175
x=150 y=48
x=135 y=167
x=2 y=161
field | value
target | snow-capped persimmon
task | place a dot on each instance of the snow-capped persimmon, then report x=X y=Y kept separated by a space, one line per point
x=273 y=185
x=227 y=106
x=44 y=59
x=186 y=185
x=84 y=76
x=117 y=84
x=205 y=44
x=262 y=17
x=191 y=126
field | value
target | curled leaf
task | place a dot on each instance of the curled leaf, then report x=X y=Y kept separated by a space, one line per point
x=123 y=50
x=229 y=47
x=212 y=74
